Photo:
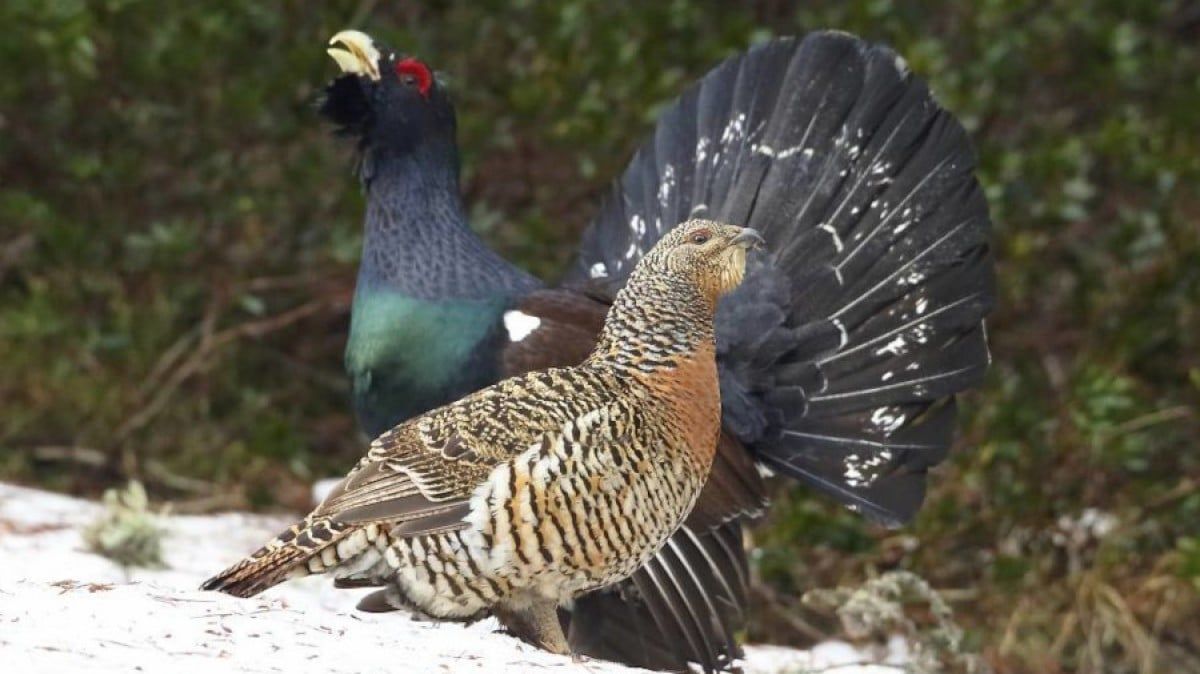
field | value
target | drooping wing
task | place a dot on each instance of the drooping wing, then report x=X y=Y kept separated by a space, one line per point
x=420 y=475
x=404 y=480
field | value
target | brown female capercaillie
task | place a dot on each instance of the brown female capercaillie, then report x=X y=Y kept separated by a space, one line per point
x=526 y=494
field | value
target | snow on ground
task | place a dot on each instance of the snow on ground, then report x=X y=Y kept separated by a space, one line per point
x=64 y=609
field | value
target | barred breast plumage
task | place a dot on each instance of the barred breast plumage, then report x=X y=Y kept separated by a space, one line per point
x=525 y=494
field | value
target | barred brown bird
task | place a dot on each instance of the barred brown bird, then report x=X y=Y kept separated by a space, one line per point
x=522 y=496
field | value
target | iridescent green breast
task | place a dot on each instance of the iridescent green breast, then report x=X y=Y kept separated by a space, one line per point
x=406 y=356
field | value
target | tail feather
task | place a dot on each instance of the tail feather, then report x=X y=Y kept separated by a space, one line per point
x=304 y=548
x=842 y=351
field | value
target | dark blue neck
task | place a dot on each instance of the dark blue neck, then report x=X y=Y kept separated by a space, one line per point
x=425 y=326
x=417 y=241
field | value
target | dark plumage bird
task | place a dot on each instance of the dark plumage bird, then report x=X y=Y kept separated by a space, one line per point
x=838 y=357
x=524 y=495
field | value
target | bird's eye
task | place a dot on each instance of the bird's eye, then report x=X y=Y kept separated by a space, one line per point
x=700 y=237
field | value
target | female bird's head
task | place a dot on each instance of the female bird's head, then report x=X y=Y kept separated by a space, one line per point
x=709 y=255
x=390 y=101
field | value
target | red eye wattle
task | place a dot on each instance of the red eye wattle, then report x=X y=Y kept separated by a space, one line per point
x=412 y=71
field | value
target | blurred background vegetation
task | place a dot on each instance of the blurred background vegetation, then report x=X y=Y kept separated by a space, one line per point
x=179 y=233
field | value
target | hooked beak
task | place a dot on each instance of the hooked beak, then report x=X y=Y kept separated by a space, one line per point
x=360 y=57
x=748 y=238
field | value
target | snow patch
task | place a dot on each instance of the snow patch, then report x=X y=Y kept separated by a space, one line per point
x=322 y=488
x=64 y=609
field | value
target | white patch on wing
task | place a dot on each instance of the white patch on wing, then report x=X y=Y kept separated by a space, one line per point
x=598 y=270
x=519 y=324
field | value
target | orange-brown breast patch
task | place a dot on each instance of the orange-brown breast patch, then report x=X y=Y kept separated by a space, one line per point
x=693 y=396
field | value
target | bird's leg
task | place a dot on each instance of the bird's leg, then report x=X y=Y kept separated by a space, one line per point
x=537 y=623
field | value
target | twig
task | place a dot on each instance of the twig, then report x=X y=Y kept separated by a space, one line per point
x=219 y=501
x=779 y=606
x=158 y=471
x=166 y=360
x=87 y=456
x=210 y=343
x=1151 y=419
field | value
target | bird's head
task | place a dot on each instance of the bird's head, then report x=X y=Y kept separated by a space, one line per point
x=390 y=101
x=709 y=254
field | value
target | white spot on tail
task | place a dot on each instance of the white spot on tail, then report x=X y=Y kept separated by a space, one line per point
x=886 y=419
x=735 y=130
x=837 y=240
x=598 y=270
x=895 y=347
x=667 y=184
x=843 y=336
x=768 y=151
x=638 y=224
x=519 y=325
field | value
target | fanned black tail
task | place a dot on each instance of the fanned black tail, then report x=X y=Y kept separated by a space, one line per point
x=842 y=351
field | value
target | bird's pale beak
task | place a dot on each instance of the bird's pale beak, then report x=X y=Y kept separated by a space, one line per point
x=748 y=238
x=360 y=57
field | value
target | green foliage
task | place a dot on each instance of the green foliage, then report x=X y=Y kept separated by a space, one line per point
x=178 y=236
x=128 y=532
